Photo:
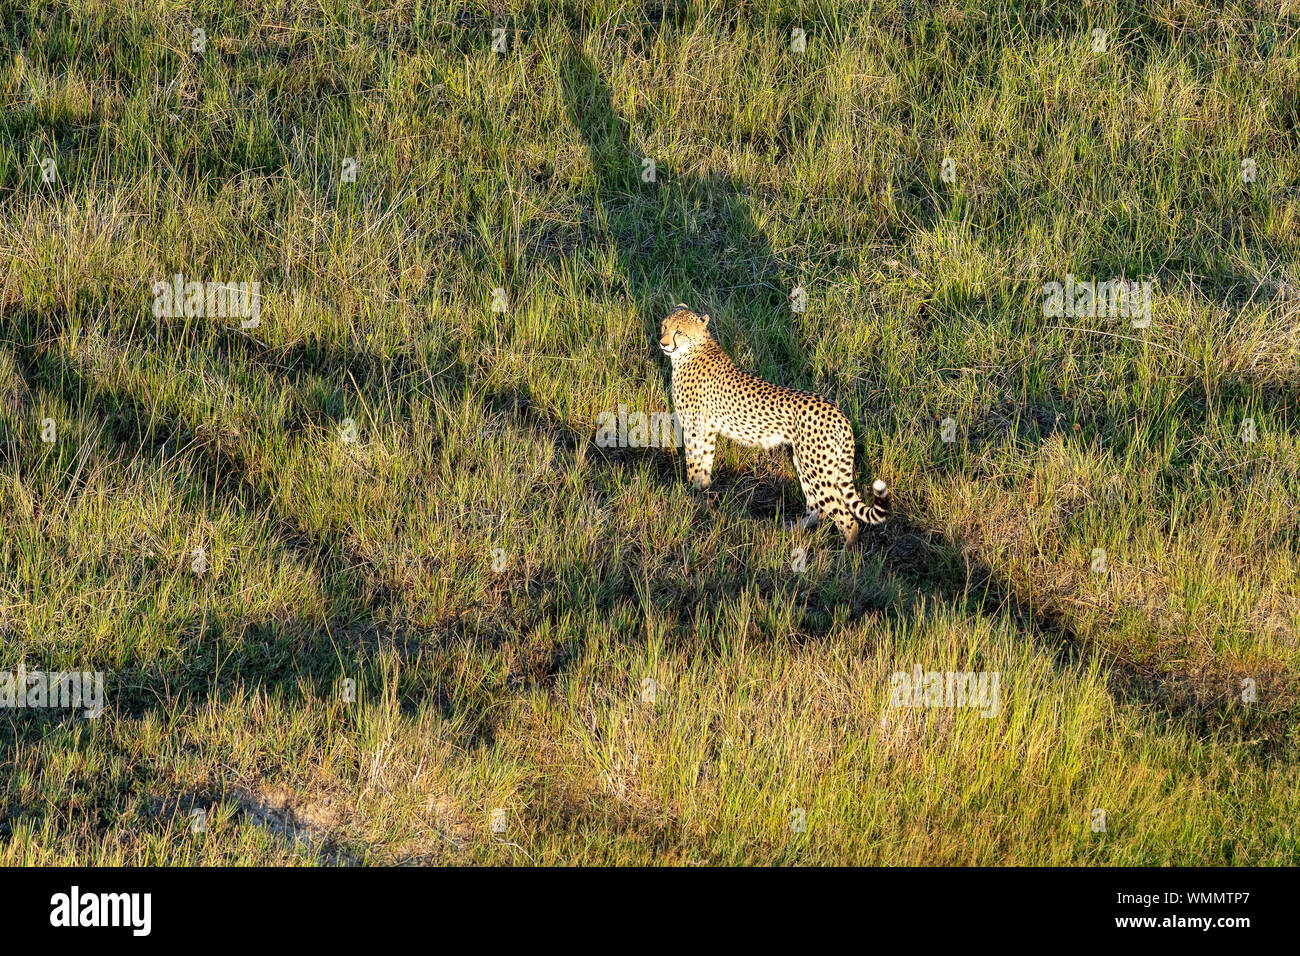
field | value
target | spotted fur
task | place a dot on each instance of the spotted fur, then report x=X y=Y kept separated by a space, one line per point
x=713 y=397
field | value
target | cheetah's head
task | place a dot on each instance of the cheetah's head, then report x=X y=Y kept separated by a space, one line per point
x=682 y=330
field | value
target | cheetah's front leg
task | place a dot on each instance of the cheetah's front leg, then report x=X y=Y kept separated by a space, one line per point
x=701 y=442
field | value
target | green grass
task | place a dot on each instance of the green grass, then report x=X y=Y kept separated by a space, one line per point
x=372 y=561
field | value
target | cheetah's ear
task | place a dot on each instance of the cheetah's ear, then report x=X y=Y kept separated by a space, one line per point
x=704 y=319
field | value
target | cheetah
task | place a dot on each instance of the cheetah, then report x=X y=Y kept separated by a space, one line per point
x=712 y=397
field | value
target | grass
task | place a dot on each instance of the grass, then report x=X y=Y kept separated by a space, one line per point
x=459 y=611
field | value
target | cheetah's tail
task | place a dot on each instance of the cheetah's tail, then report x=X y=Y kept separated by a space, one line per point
x=879 y=510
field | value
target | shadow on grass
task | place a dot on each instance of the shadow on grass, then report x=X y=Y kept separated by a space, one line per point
x=681 y=237
x=219 y=652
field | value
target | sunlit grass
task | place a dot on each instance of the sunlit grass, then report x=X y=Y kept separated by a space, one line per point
x=458 y=611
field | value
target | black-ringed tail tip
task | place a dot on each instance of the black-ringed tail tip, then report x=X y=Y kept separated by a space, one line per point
x=880 y=506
